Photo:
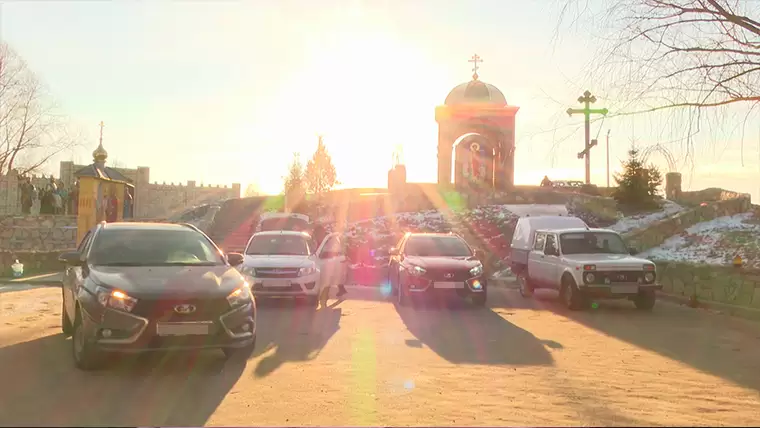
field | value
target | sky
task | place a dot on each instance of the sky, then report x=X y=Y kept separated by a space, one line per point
x=226 y=91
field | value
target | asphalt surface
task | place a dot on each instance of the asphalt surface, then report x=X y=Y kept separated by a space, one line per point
x=364 y=361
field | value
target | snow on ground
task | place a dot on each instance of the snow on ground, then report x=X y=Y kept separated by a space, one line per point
x=627 y=224
x=714 y=242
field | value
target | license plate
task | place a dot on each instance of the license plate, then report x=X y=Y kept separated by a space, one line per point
x=625 y=289
x=182 y=329
x=448 y=285
x=277 y=283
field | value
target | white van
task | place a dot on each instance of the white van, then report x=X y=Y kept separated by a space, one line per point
x=525 y=233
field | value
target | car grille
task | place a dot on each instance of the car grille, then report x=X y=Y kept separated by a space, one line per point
x=277 y=273
x=448 y=274
x=206 y=309
x=618 y=276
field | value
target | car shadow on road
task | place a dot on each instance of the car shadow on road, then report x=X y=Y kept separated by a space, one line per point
x=464 y=334
x=720 y=345
x=41 y=387
x=290 y=331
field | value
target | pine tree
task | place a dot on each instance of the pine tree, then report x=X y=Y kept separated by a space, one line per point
x=320 y=175
x=294 y=184
x=637 y=185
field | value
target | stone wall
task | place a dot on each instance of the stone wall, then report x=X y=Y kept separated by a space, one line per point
x=39 y=233
x=712 y=194
x=722 y=284
x=655 y=234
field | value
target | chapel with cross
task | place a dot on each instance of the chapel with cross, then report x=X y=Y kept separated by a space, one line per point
x=476 y=134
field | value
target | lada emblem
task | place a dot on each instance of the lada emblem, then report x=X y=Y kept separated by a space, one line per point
x=448 y=275
x=184 y=309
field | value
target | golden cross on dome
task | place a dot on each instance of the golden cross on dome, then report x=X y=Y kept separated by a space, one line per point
x=102 y=125
x=475 y=60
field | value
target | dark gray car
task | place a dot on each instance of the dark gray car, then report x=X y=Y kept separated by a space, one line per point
x=137 y=287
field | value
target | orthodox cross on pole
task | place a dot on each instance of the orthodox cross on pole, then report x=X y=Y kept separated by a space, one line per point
x=475 y=60
x=587 y=99
x=102 y=125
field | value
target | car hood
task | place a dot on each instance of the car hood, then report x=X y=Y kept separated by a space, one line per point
x=442 y=262
x=276 y=261
x=607 y=260
x=175 y=280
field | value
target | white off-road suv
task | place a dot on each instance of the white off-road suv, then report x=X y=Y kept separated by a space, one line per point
x=283 y=263
x=585 y=263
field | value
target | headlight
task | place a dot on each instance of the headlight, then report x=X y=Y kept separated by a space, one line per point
x=115 y=299
x=240 y=296
x=416 y=270
x=589 y=277
x=477 y=270
x=304 y=271
x=649 y=277
x=247 y=270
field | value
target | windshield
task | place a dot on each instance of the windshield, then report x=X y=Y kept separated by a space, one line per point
x=282 y=245
x=592 y=243
x=436 y=246
x=135 y=247
x=287 y=223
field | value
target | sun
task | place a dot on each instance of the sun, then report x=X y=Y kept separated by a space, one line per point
x=367 y=94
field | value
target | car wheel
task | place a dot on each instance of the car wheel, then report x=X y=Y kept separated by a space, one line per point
x=240 y=353
x=66 y=325
x=645 y=301
x=526 y=288
x=479 y=299
x=572 y=298
x=86 y=357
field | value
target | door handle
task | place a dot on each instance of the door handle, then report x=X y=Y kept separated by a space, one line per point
x=543 y=257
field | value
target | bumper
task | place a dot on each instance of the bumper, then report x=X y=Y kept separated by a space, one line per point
x=420 y=286
x=133 y=334
x=618 y=291
x=301 y=286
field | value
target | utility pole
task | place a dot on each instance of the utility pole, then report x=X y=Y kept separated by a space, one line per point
x=608 y=158
x=587 y=99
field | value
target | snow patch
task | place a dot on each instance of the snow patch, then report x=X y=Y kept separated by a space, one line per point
x=713 y=242
x=627 y=224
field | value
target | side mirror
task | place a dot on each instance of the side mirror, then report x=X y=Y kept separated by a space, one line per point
x=72 y=258
x=632 y=251
x=235 y=259
x=393 y=251
x=479 y=254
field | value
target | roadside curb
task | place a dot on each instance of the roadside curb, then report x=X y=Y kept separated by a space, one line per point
x=714 y=307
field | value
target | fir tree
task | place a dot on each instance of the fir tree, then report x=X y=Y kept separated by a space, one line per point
x=294 y=184
x=637 y=185
x=320 y=175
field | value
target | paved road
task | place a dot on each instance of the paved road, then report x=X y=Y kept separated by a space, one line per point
x=363 y=361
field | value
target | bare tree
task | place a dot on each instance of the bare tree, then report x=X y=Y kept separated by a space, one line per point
x=31 y=132
x=676 y=53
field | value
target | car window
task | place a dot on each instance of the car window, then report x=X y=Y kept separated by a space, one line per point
x=286 y=223
x=540 y=241
x=283 y=245
x=551 y=245
x=333 y=247
x=153 y=247
x=83 y=245
x=436 y=246
x=592 y=243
